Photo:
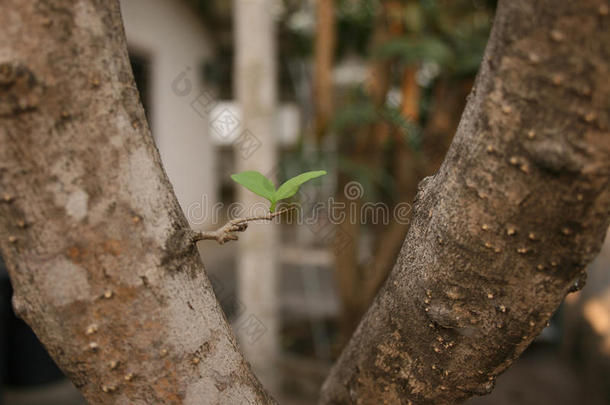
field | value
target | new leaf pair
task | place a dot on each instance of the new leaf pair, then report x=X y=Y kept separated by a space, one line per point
x=262 y=186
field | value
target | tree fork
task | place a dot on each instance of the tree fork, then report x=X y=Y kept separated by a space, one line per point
x=500 y=234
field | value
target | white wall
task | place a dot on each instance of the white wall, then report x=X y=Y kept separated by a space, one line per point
x=172 y=36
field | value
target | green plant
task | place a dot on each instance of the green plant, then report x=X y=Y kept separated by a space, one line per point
x=264 y=187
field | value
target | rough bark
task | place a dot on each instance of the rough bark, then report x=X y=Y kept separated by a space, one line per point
x=96 y=243
x=90 y=228
x=502 y=232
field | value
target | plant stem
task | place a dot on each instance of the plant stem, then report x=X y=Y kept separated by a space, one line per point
x=228 y=231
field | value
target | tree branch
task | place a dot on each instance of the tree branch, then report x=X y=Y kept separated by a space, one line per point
x=227 y=231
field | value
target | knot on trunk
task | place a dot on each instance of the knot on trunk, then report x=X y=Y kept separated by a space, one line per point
x=20 y=90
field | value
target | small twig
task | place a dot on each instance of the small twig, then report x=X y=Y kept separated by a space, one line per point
x=227 y=231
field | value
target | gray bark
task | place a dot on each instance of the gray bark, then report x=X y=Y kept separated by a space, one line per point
x=90 y=228
x=98 y=251
x=503 y=231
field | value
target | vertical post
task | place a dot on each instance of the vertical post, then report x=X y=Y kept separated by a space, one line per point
x=256 y=90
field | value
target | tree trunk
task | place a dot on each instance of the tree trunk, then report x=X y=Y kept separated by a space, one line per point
x=503 y=231
x=90 y=228
x=98 y=250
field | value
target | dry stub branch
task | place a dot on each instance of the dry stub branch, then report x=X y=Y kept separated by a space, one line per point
x=228 y=231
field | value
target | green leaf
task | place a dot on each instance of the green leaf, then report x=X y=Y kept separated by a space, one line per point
x=257 y=183
x=260 y=185
x=291 y=187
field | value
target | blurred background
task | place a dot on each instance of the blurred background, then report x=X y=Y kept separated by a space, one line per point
x=369 y=90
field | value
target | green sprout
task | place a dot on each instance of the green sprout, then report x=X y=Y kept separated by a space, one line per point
x=264 y=187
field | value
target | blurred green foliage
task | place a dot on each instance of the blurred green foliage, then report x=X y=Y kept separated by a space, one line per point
x=441 y=39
